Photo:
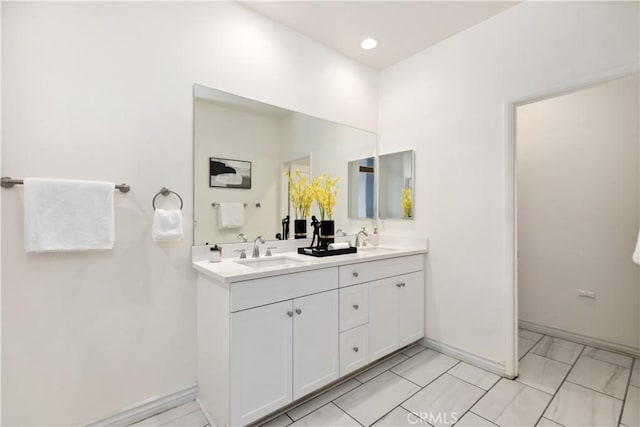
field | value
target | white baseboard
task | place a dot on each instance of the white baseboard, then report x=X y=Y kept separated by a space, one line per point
x=150 y=407
x=471 y=358
x=205 y=412
x=579 y=338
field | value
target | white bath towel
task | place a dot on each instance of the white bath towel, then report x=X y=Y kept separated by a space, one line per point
x=230 y=215
x=167 y=225
x=636 y=254
x=68 y=215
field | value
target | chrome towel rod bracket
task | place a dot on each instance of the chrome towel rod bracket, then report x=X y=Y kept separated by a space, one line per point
x=8 y=182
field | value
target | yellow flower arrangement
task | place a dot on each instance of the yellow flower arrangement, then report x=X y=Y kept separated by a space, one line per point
x=407 y=202
x=326 y=194
x=301 y=194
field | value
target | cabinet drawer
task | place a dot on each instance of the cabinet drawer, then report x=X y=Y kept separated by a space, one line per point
x=354 y=349
x=374 y=270
x=354 y=306
x=252 y=293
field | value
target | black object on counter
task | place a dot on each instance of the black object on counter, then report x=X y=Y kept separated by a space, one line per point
x=326 y=252
x=285 y=228
x=316 y=232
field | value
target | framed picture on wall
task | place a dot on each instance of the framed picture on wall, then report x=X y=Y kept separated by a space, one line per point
x=228 y=173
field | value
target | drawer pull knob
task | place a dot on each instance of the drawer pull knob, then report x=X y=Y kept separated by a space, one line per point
x=355 y=274
x=298 y=311
x=356 y=349
x=290 y=313
x=400 y=285
x=356 y=306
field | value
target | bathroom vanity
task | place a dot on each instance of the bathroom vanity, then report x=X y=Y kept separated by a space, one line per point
x=273 y=330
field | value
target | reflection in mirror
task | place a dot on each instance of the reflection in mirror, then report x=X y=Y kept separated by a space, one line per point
x=298 y=169
x=361 y=188
x=396 y=185
x=268 y=140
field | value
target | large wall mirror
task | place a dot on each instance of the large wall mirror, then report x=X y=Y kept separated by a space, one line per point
x=396 y=185
x=242 y=149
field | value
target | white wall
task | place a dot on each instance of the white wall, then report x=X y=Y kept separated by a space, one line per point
x=241 y=135
x=447 y=103
x=104 y=91
x=578 y=211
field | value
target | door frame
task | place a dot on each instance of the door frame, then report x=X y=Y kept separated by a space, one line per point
x=511 y=198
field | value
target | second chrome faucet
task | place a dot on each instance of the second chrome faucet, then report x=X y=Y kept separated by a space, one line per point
x=256 y=248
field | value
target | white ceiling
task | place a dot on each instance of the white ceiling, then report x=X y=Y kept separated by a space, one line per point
x=402 y=28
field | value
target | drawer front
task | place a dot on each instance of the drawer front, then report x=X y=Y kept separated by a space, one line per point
x=354 y=306
x=253 y=293
x=354 y=349
x=373 y=270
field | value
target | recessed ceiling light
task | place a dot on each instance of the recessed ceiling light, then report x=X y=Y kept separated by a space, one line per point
x=368 y=44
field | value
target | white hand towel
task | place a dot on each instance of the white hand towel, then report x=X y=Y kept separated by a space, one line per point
x=68 y=215
x=636 y=254
x=230 y=215
x=341 y=245
x=167 y=225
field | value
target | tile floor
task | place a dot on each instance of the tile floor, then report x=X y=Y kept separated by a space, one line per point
x=561 y=383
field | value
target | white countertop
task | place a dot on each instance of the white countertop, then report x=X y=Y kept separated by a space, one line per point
x=229 y=271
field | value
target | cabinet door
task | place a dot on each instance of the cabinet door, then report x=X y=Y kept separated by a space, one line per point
x=315 y=342
x=383 y=317
x=411 y=308
x=261 y=351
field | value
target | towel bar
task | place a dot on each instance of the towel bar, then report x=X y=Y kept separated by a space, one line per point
x=215 y=205
x=8 y=182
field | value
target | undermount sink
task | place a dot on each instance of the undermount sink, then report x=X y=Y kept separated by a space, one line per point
x=267 y=262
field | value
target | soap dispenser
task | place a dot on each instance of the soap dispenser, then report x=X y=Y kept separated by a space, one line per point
x=215 y=253
x=375 y=238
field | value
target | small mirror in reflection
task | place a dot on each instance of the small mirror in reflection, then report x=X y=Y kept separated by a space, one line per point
x=396 y=185
x=361 y=188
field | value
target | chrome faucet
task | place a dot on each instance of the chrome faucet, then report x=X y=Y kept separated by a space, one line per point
x=256 y=248
x=241 y=237
x=363 y=242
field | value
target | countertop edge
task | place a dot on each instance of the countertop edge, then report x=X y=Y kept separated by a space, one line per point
x=310 y=264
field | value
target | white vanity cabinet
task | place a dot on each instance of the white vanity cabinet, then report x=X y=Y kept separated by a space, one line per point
x=396 y=313
x=265 y=342
x=395 y=301
x=268 y=339
x=281 y=352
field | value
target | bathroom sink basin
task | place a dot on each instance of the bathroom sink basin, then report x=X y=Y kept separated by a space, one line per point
x=268 y=262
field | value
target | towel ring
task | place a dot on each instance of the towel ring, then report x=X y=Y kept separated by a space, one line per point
x=165 y=192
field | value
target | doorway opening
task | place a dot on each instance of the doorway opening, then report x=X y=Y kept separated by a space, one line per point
x=573 y=197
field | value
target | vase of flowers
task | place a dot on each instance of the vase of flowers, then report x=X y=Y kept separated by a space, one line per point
x=326 y=195
x=300 y=229
x=301 y=194
x=407 y=202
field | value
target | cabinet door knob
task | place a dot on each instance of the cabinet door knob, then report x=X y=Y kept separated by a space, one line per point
x=400 y=285
x=356 y=306
x=290 y=313
x=355 y=274
x=356 y=349
x=298 y=311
